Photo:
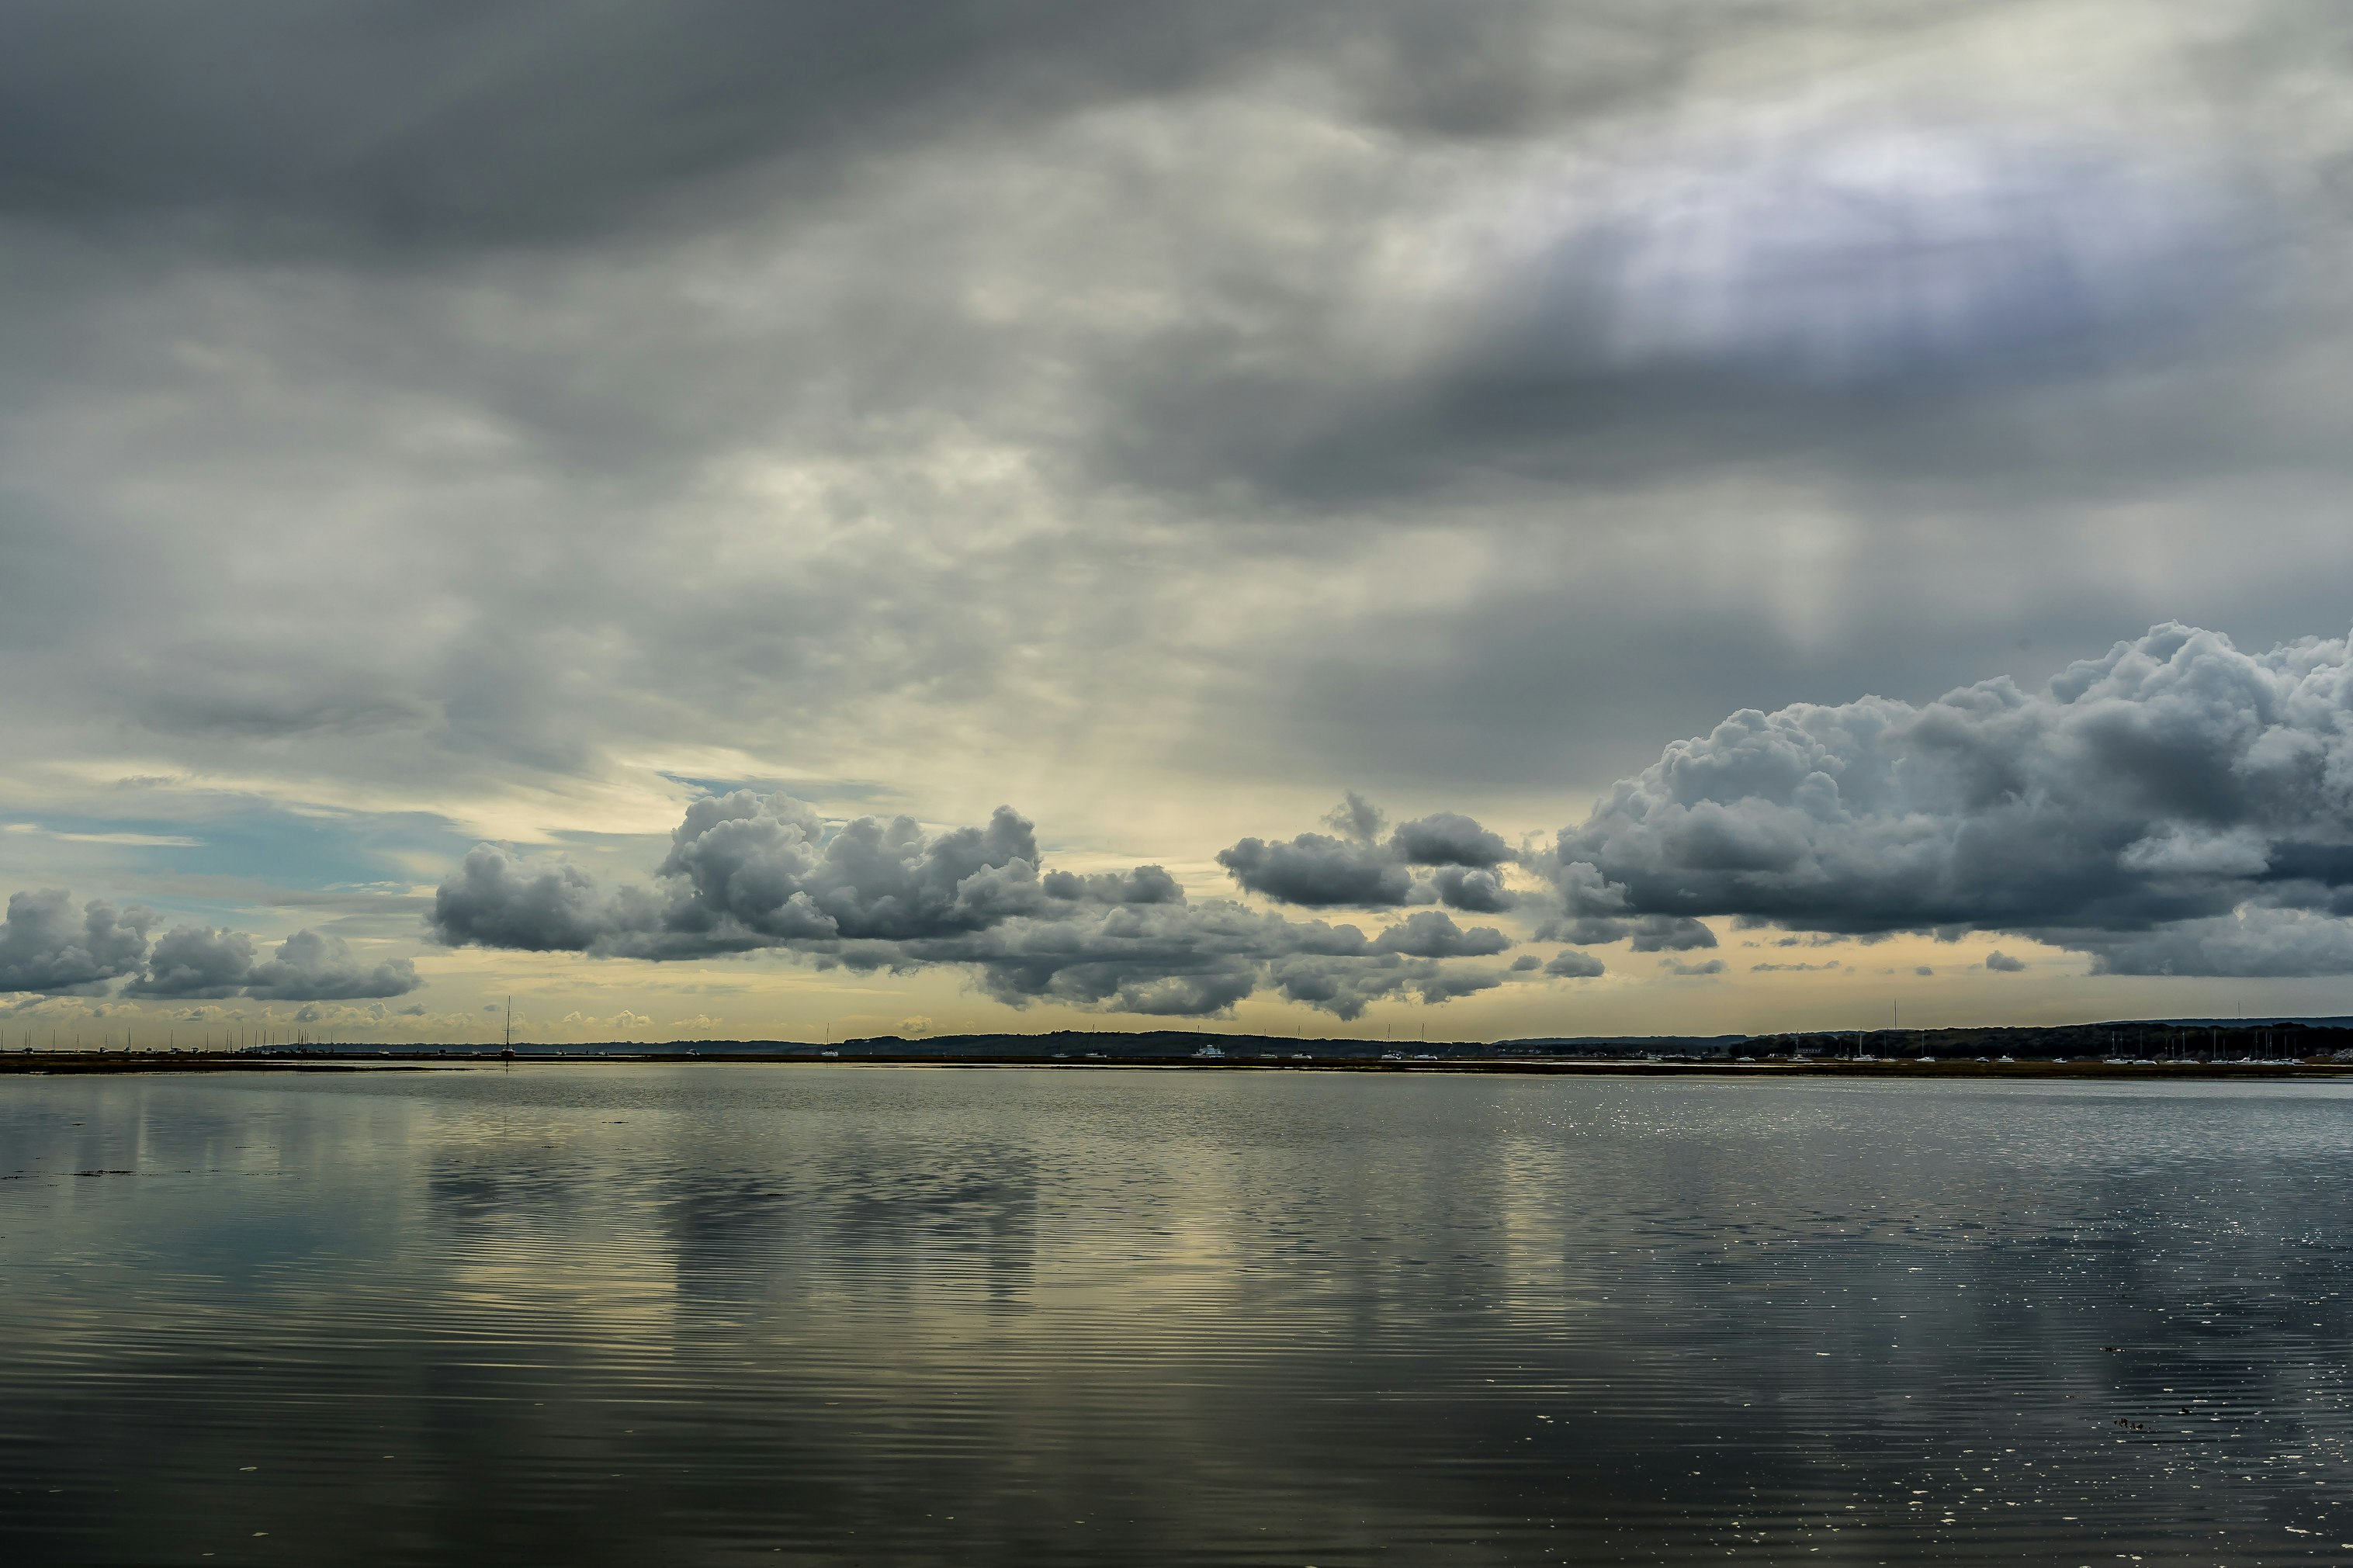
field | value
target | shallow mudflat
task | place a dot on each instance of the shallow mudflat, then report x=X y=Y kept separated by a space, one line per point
x=629 y=1313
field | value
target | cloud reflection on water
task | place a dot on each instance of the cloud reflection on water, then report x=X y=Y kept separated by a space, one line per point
x=614 y=1312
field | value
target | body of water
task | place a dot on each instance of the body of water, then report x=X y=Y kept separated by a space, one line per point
x=694 y=1314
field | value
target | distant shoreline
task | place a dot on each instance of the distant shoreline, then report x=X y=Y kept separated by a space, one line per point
x=105 y=1064
x=2140 y=1048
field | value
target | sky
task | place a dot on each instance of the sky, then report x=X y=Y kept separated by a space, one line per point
x=1468 y=521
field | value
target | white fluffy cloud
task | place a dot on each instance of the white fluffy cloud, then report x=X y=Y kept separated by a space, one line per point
x=2176 y=807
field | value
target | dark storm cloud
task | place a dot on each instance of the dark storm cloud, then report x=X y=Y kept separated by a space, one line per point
x=747 y=872
x=1915 y=313
x=520 y=118
x=533 y=120
x=1879 y=291
x=2256 y=941
x=1446 y=858
x=48 y=945
x=2177 y=806
x=477 y=408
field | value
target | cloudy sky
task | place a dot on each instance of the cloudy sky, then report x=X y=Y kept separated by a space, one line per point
x=1499 y=518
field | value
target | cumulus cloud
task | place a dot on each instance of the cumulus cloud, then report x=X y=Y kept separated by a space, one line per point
x=1448 y=838
x=1441 y=858
x=747 y=871
x=196 y=961
x=2002 y=964
x=2255 y=940
x=309 y=966
x=48 y=945
x=497 y=900
x=45 y=947
x=1570 y=964
x=1320 y=872
x=312 y=966
x=1432 y=934
x=1347 y=988
x=2175 y=807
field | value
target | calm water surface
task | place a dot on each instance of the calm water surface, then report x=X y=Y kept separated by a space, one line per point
x=761 y=1314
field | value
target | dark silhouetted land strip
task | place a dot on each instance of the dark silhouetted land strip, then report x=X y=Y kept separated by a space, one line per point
x=2275 y=1047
